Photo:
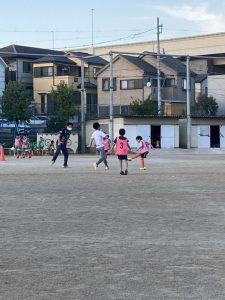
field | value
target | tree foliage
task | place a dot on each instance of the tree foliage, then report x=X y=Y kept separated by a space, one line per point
x=206 y=106
x=144 y=107
x=64 y=99
x=16 y=102
x=65 y=102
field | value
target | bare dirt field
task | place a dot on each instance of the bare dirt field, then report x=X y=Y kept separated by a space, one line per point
x=81 y=234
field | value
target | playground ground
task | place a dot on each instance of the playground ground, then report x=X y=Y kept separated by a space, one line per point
x=80 y=234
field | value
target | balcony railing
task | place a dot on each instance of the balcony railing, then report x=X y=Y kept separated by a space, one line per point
x=91 y=111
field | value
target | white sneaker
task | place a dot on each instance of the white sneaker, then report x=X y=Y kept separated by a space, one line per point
x=106 y=168
x=95 y=166
x=141 y=169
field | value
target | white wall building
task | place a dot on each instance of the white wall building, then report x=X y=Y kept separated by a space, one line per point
x=3 y=67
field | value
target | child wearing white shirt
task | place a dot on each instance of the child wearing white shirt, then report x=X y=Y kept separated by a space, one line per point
x=98 y=136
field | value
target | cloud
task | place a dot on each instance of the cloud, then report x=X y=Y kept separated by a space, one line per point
x=203 y=18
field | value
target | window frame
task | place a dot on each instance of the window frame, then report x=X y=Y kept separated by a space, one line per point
x=27 y=67
x=108 y=81
x=137 y=84
x=184 y=84
x=39 y=72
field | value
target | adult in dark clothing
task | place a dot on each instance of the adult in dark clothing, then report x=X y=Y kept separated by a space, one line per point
x=63 y=138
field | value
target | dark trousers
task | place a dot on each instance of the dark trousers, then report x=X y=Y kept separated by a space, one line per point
x=61 y=147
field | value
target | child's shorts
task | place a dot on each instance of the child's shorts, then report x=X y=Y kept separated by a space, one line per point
x=144 y=155
x=122 y=157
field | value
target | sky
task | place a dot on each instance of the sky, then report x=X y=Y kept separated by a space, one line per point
x=69 y=25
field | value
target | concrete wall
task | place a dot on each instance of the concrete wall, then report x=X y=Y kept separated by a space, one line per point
x=72 y=144
x=199 y=66
x=192 y=45
x=216 y=88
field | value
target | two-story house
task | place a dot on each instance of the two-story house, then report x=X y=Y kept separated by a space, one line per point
x=92 y=65
x=19 y=61
x=173 y=83
x=136 y=78
x=50 y=71
x=130 y=75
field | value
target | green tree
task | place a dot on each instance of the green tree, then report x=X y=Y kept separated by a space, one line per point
x=65 y=102
x=144 y=107
x=16 y=102
x=206 y=106
x=64 y=99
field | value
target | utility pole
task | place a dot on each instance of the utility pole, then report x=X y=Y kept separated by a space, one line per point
x=188 y=103
x=159 y=30
x=111 y=111
x=92 y=30
x=53 y=40
x=83 y=131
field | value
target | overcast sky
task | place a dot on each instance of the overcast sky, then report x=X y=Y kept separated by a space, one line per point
x=68 y=24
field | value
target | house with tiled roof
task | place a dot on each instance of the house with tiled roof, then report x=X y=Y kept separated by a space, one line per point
x=49 y=71
x=135 y=77
x=19 y=61
x=173 y=83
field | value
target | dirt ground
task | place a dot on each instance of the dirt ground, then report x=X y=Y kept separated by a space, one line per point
x=79 y=234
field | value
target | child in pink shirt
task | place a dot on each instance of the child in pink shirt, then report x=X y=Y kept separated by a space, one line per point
x=17 y=146
x=142 y=151
x=121 y=146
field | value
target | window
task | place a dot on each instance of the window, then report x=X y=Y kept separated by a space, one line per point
x=42 y=104
x=95 y=71
x=106 y=84
x=78 y=72
x=169 y=82
x=26 y=67
x=124 y=109
x=43 y=71
x=63 y=70
x=131 y=84
x=47 y=71
x=154 y=82
x=184 y=84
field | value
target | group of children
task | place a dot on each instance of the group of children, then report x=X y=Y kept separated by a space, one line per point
x=24 y=148
x=120 y=147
